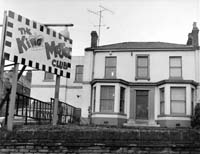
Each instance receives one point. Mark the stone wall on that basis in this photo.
(98, 140)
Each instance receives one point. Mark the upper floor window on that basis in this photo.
(48, 76)
(107, 99)
(175, 67)
(178, 100)
(79, 73)
(142, 67)
(110, 67)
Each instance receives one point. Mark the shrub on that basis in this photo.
(195, 120)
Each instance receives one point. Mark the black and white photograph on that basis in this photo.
(99, 77)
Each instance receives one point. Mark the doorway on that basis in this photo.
(142, 99)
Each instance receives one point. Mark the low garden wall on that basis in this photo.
(99, 140)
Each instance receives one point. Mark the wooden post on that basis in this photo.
(12, 98)
(56, 100)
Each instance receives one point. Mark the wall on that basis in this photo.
(71, 92)
(159, 65)
(98, 140)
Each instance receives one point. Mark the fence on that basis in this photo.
(33, 110)
(67, 113)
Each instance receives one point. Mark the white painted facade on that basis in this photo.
(159, 53)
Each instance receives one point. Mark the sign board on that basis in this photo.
(32, 44)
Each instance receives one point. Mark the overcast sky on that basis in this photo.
(132, 20)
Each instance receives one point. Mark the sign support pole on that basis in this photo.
(2, 54)
(12, 98)
(56, 100)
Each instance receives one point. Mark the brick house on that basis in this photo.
(134, 83)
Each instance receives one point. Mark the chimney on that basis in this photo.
(193, 38)
(94, 39)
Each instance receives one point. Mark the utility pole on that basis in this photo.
(99, 14)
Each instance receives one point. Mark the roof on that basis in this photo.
(142, 45)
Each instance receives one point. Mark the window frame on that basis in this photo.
(181, 67)
(101, 99)
(192, 100)
(107, 76)
(162, 101)
(48, 79)
(177, 101)
(122, 100)
(137, 77)
(76, 73)
(94, 99)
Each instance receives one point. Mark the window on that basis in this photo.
(175, 67)
(79, 73)
(122, 100)
(192, 101)
(142, 67)
(178, 100)
(48, 76)
(110, 67)
(107, 99)
(162, 101)
(94, 99)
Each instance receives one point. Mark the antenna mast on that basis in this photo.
(99, 13)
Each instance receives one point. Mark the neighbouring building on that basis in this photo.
(131, 83)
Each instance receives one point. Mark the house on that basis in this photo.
(132, 83)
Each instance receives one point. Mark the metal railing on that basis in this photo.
(67, 113)
(30, 108)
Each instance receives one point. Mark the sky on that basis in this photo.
(130, 20)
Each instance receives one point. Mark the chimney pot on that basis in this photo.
(94, 39)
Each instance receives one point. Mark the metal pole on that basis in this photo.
(56, 100)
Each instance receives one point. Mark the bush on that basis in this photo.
(195, 120)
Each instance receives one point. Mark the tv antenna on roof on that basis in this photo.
(99, 13)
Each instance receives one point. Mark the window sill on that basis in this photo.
(48, 80)
(78, 81)
(175, 78)
(112, 113)
(142, 78)
(173, 115)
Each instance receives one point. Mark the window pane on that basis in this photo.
(110, 72)
(79, 69)
(175, 61)
(162, 95)
(48, 76)
(107, 92)
(178, 107)
(79, 73)
(142, 72)
(107, 98)
(162, 108)
(107, 106)
(122, 99)
(111, 61)
(178, 94)
(142, 61)
(79, 77)
(175, 72)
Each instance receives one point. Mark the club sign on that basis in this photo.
(35, 45)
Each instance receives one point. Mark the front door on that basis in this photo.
(142, 104)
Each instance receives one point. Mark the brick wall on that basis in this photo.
(97, 140)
